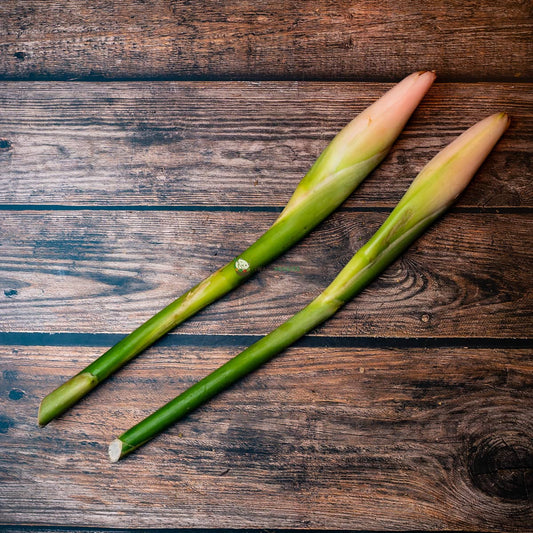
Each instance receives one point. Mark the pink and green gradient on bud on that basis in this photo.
(361, 145)
(448, 173)
(377, 127)
(352, 155)
(432, 192)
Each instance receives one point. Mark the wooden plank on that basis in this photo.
(227, 144)
(321, 39)
(351, 438)
(108, 271)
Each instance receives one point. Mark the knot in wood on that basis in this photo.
(5, 145)
(502, 466)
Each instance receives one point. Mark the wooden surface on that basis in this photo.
(374, 438)
(242, 39)
(466, 278)
(411, 409)
(234, 144)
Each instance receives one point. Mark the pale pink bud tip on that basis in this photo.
(375, 129)
(450, 171)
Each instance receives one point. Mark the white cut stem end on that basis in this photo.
(115, 450)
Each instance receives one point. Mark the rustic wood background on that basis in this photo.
(144, 144)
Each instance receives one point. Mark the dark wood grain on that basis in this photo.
(351, 438)
(411, 409)
(227, 144)
(320, 39)
(108, 271)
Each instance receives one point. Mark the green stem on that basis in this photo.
(284, 233)
(351, 280)
(424, 202)
(236, 368)
(349, 158)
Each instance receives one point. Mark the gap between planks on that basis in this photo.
(172, 340)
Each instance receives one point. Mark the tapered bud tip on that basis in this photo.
(411, 89)
(364, 142)
(427, 76)
(488, 130)
(505, 117)
(395, 107)
(449, 172)
(375, 129)
(430, 74)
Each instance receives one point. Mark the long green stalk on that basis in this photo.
(429, 196)
(343, 165)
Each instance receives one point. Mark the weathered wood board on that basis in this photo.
(235, 144)
(360, 438)
(109, 271)
(411, 409)
(238, 39)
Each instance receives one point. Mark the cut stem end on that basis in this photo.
(63, 397)
(115, 450)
